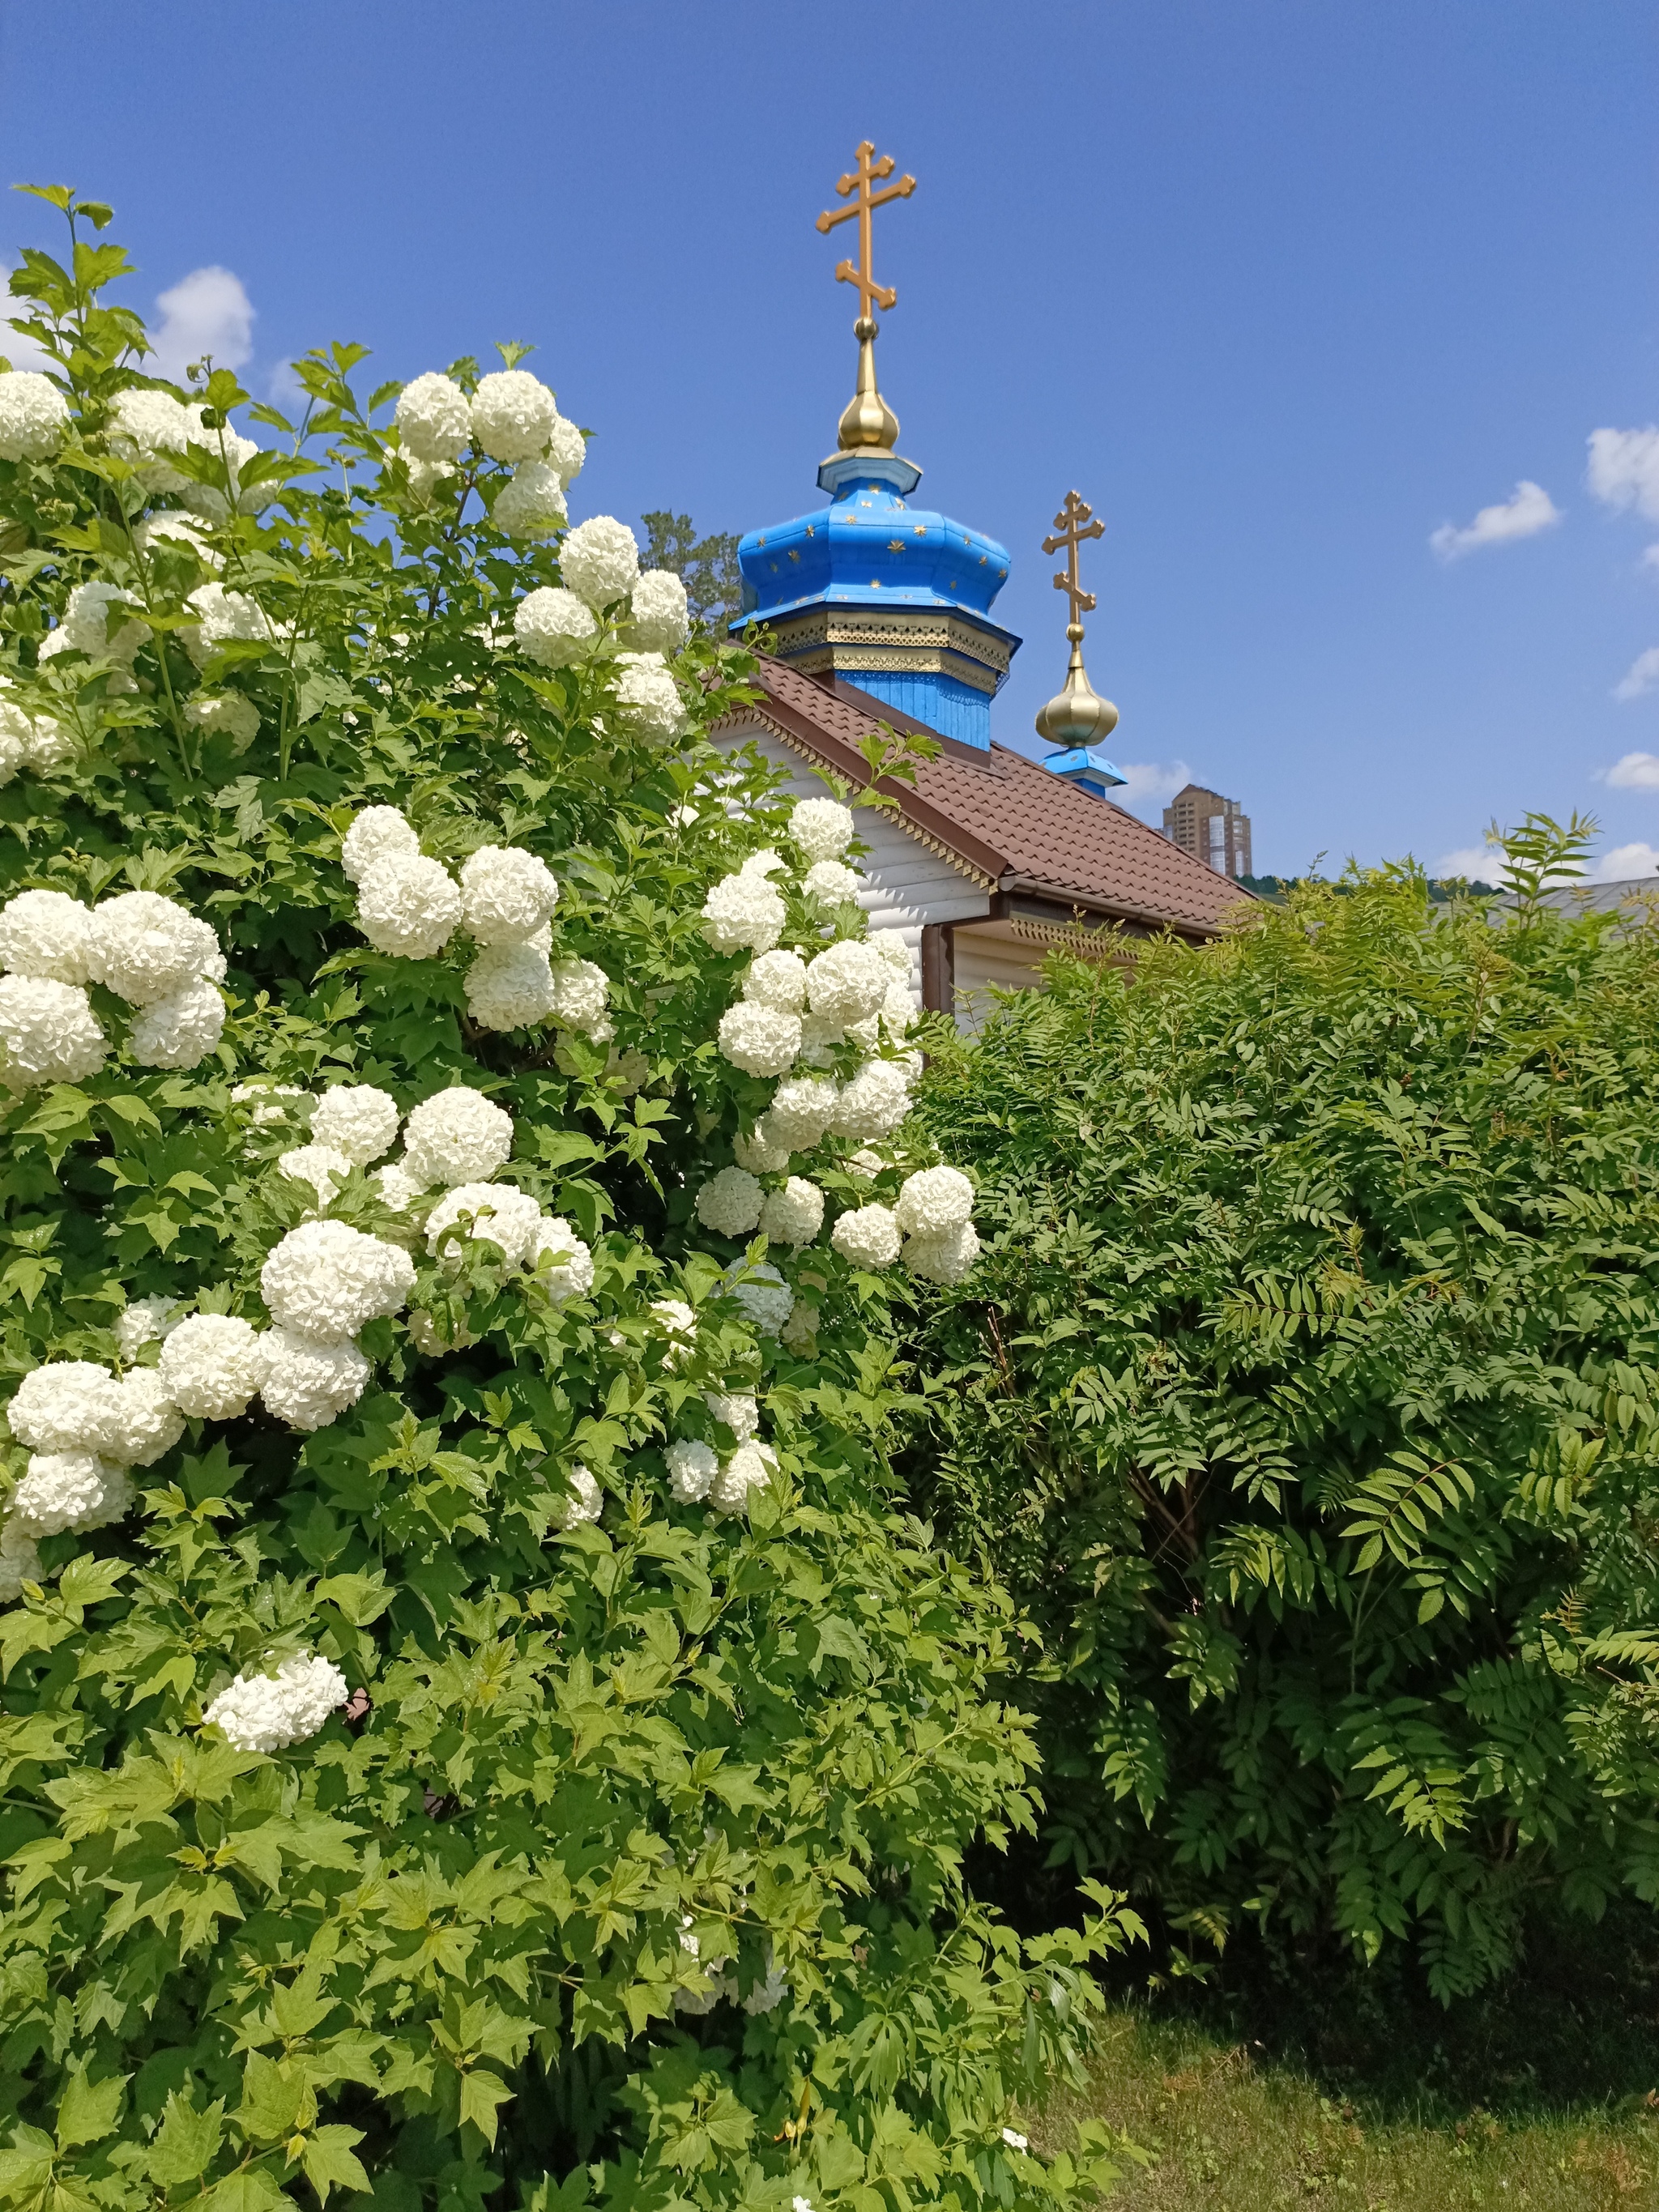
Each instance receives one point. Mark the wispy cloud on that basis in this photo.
(1624, 861)
(1623, 469)
(1641, 676)
(1527, 510)
(1149, 783)
(1635, 771)
(208, 311)
(1480, 864)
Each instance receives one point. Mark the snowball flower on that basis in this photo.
(1015, 2141)
(320, 1165)
(945, 1258)
(266, 1093)
(531, 503)
(832, 883)
(357, 1120)
(326, 1280)
(749, 1467)
(168, 527)
(677, 1321)
(865, 1164)
(777, 979)
(223, 618)
(511, 987)
(492, 1213)
(761, 1040)
(148, 1423)
(823, 828)
(739, 1411)
(868, 1236)
(759, 1154)
(14, 732)
(180, 1031)
(19, 1560)
(600, 561)
(648, 697)
(33, 415)
(267, 1712)
(434, 420)
(376, 834)
(763, 864)
(211, 1364)
(48, 934)
(743, 910)
(48, 1033)
(407, 906)
(898, 1009)
(801, 1110)
(456, 1136)
(894, 950)
(552, 625)
(34, 740)
(142, 1321)
(579, 996)
(569, 1271)
(932, 1200)
(66, 1405)
(310, 1381)
(229, 714)
(729, 1203)
(86, 624)
(764, 1296)
(846, 982)
(794, 1214)
(512, 414)
(692, 1467)
(567, 449)
(873, 1103)
(659, 621)
(70, 1490)
(506, 893)
(584, 1500)
(398, 1186)
(149, 947)
(143, 427)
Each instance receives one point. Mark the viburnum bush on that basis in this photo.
(1305, 1401)
(477, 1727)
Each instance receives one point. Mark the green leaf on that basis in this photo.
(187, 2142)
(483, 2095)
(330, 2161)
(89, 2111)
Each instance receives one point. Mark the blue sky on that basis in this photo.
(1284, 287)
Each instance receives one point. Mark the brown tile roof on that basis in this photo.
(1014, 827)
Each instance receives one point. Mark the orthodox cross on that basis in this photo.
(868, 172)
(1071, 525)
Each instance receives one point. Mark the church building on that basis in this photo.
(878, 612)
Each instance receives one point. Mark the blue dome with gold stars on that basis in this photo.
(895, 598)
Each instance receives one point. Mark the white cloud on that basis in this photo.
(1624, 861)
(207, 312)
(1149, 783)
(1523, 514)
(1480, 864)
(1623, 469)
(1635, 771)
(1641, 676)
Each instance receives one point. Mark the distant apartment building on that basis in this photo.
(1212, 829)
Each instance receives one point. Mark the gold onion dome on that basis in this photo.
(1078, 715)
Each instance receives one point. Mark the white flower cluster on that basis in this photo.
(513, 417)
(144, 948)
(409, 906)
(225, 618)
(511, 1220)
(83, 1427)
(33, 415)
(147, 427)
(89, 624)
(699, 1474)
(267, 1712)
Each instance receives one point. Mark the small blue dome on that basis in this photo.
(895, 597)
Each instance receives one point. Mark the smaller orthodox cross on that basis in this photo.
(868, 172)
(1071, 525)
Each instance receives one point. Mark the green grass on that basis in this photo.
(1273, 2092)
(1230, 2130)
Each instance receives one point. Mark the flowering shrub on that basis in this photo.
(474, 1714)
(1305, 1399)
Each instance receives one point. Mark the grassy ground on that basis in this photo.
(1544, 2092)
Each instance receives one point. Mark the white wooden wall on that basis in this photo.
(987, 958)
(907, 885)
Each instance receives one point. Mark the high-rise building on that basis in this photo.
(1212, 829)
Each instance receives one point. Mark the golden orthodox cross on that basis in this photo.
(868, 172)
(1071, 525)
